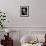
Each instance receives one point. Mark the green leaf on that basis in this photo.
(2, 26)
(3, 19)
(0, 12)
(4, 13)
(4, 16)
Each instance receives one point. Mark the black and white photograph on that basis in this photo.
(24, 11)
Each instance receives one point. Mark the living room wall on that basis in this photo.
(37, 13)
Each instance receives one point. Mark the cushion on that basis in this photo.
(26, 39)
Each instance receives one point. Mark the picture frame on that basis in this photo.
(24, 11)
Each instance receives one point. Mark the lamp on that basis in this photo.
(7, 31)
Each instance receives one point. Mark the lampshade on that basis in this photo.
(7, 30)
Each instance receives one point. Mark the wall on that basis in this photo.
(37, 13)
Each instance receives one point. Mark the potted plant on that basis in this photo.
(2, 19)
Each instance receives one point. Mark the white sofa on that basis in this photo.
(25, 39)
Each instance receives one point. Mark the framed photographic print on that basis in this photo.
(24, 11)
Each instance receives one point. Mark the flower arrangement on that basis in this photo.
(2, 19)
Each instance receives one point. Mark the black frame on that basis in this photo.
(24, 11)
